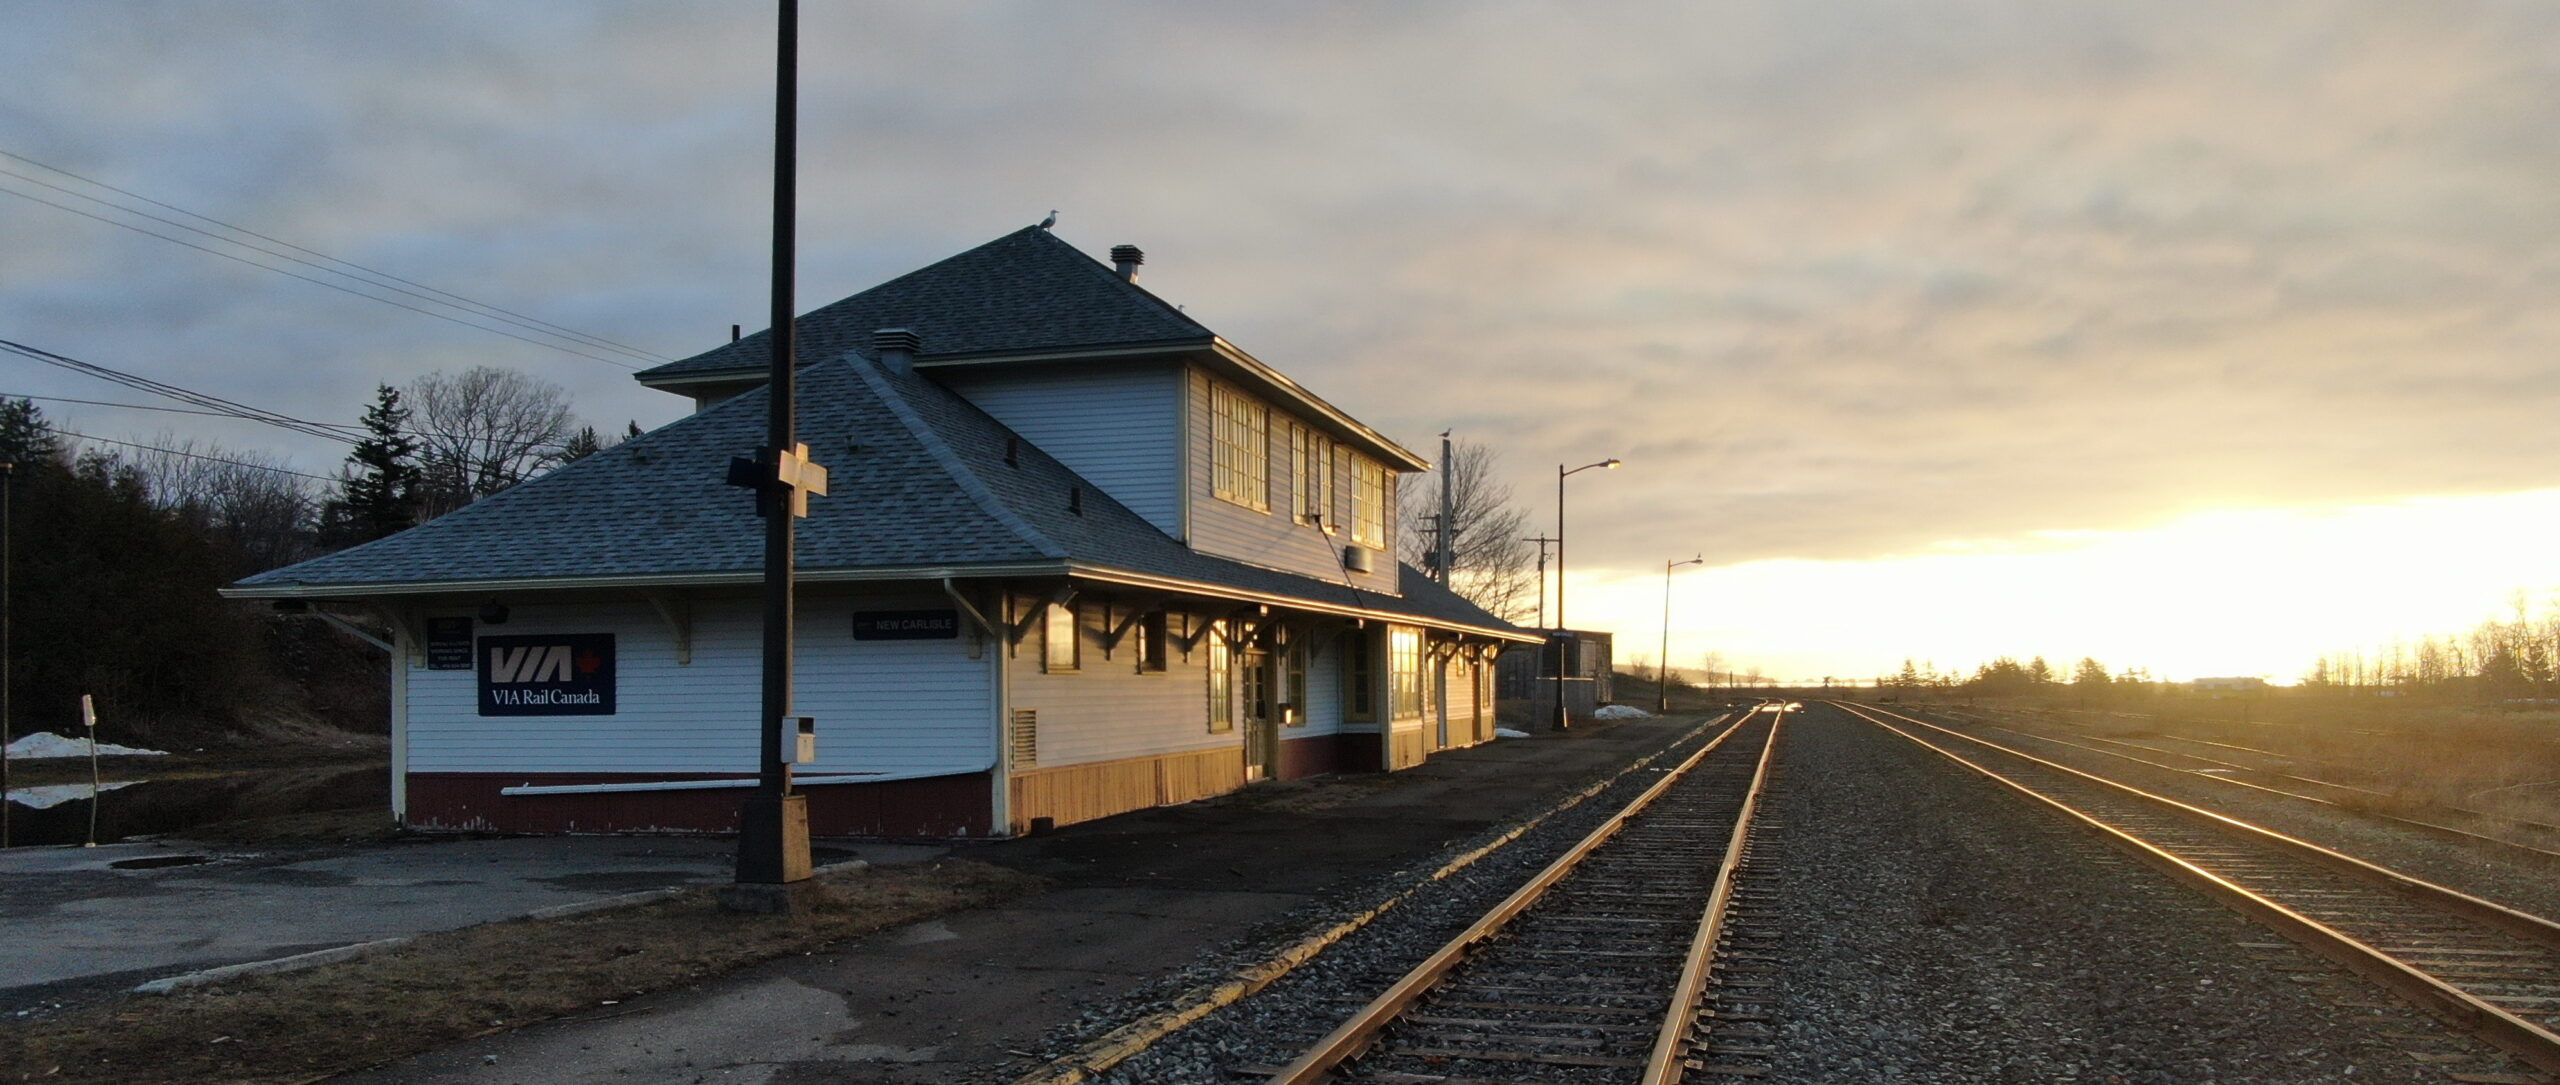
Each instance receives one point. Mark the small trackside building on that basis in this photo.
(1079, 555)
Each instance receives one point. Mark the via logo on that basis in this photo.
(560, 674)
(537, 663)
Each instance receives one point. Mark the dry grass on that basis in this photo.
(452, 986)
(2421, 757)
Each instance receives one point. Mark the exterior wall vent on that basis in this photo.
(1355, 557)
(1024, 738)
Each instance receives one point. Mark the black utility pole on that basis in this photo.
(773, 825)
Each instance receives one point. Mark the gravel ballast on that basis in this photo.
(1942, 930)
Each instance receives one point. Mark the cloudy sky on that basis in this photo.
(1950, 329)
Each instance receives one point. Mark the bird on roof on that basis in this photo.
(1052, 220)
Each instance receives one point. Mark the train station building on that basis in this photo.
(1079, 555)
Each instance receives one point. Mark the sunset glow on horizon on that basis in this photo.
(2260, 592)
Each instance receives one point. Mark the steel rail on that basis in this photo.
(2524, 1039)
(2517, 848)
(1363, 1029)
(1664, 1066)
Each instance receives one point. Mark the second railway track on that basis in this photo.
(2489, 968)
(1594, 970)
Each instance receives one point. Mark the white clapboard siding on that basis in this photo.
(882, 706)
(1118, 424)
(1106, 710)
(1274, 539)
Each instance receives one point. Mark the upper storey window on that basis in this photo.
(1240, 448)
(1368, 502)
(1311, 457)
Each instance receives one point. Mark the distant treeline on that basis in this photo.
(2004, 677)
(2514, 658)
(117, 551)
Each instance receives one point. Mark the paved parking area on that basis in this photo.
(81, 920)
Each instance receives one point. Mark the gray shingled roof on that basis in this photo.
(917, 479)
(1024, 291)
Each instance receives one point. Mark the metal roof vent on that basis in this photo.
(896, 348)
(1125, 260)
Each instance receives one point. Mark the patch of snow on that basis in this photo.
(53, 795)
(47, 744)
(1621, 712)
(1505, 732)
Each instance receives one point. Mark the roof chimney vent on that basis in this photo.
(1125, 260)
(896, 348)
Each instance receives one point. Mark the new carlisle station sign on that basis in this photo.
(552, 674)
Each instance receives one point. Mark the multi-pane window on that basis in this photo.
(1404, 672)
(1368, 502)
(1061, 649)
(1239, 448)
(1311, 458)
(1222, 702)
(1359, 677)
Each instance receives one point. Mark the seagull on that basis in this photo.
(1052, 220)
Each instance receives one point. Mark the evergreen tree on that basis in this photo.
(26, 439)
(378, 488)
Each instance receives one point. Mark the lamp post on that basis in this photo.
(1562, 474)
(8, 474)
(1662, 670)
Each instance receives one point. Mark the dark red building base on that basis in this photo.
(937, 807)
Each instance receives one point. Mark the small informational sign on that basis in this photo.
(906, 625)
(556, 674)
(449, 644)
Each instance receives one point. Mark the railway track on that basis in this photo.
(1595, 970)
(2480, 965)
(2493, 832)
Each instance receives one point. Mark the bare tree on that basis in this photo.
(243, 499)
(484, 430)
(1490, 564)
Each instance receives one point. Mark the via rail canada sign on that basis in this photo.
(560, 674)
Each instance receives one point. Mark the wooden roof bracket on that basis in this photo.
(976, 617)
(1065, 594)
(1114, 633)
(675, 609)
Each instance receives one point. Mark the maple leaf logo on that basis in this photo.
(588, 661)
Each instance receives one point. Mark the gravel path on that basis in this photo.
(1944, 931)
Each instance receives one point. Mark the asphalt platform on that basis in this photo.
(1132, 898)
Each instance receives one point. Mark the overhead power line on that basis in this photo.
(493, 310)
(139, 407)
(308, 279)
(502, 316)
(197, 456)
(183, 395)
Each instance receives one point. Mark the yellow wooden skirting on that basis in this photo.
(1067, 794)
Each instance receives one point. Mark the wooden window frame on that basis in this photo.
(1049, 629)
(1239, 449)
(1222, 682)
(1404, 673)
(1359, 678)
(1293, 683)
(1153, 643)
(1311, 460)
(1368, 502)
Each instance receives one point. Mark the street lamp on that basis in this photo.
(1561, 475)
(1662, 670)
